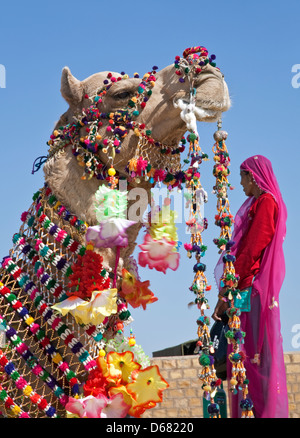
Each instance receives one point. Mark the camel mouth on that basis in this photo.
(207, 114)
(203, 111)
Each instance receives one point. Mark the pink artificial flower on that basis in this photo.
(76, 406)
(110, 233)
(158, 254)
(98, 407)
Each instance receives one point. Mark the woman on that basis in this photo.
(259, 232)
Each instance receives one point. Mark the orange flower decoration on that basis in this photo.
(135, 292)
(141, 388)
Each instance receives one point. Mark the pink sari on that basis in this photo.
(264, 365)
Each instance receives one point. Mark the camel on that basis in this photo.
(168, 102)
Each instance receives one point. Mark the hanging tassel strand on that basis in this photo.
(229, 279)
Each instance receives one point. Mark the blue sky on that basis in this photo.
(256, 45)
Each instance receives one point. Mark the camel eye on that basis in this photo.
(122, 95)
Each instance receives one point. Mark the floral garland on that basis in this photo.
(160, 247)
(229, 279)
(123, 373)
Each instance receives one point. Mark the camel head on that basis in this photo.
(113, 120)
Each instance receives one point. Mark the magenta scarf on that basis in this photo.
(269, 280)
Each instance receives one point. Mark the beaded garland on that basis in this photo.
(229, 279)
(52, 285)
(48, 314)
(196, 225)
(33, 363)
(45, 343)
(23, 385)
(9, 403)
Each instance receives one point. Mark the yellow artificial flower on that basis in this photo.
(102, 304)
(122, 362)
(135, 410)
(112, 374)
(123, 390)
(147, 386)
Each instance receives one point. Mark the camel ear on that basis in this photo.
(71, 88)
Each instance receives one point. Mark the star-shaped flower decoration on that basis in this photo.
(147, 386)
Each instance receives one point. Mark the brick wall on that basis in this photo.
(183, 398)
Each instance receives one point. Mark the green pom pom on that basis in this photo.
(204, 360)
(229, 334)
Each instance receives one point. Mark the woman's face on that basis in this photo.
(246, 182)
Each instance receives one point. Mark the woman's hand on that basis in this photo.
(221, 306)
